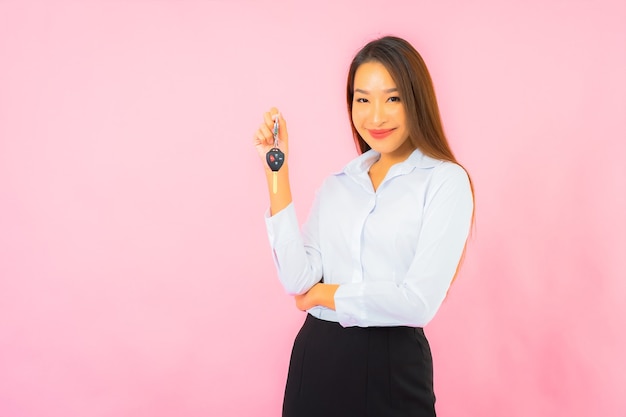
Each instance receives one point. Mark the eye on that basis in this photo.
(394, 99)
(361, 100)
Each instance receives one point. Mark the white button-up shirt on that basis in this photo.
(393, 251)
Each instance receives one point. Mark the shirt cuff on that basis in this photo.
(283, 226)
(349, 305)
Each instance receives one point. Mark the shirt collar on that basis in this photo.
(363, 162)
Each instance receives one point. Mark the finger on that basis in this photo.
(266, 133)
(282, 124)
(272, 115)
(268, 117)
(282, 127)
(259, 138)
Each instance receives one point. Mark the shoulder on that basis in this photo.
(449, 179)
(450, 171)
(439, 169)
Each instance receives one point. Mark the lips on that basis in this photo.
(380, 133)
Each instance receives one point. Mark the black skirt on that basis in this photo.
(359, 371)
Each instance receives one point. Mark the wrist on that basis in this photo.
(325, 295)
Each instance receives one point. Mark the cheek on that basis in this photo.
(397, 113)
(357, 117)
(400, 118)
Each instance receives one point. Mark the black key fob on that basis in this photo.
(275, 159)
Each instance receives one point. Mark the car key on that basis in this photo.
(275, 158)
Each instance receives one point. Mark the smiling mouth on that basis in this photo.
(380, 133)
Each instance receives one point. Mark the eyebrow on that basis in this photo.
(387, 91)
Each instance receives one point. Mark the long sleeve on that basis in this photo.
(296, 254)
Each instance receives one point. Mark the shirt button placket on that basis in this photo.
(357, 267)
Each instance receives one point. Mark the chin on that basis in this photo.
(382, 148)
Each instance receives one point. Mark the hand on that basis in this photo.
(319, 295)
(264, 137)
(304, 301)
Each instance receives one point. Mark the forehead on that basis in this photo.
(373, 74)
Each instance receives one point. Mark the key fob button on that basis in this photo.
(275, 159)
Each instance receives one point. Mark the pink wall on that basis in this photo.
(135, 274)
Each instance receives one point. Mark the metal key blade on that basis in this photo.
(275, 182)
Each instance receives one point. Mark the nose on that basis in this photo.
(377, 115)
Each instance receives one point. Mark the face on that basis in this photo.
(378, 113)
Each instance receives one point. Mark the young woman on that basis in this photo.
(374, 261)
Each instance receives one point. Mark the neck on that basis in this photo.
(389, 159)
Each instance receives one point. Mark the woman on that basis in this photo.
(379, 250)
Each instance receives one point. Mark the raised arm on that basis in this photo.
(263, 142)
(297, 259)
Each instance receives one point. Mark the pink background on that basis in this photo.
(135, 274)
